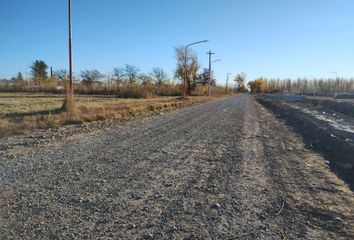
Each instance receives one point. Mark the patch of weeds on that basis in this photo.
(100, 117)
(72, 121)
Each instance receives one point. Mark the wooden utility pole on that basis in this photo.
(70, 87)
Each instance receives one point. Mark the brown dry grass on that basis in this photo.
(20, 113)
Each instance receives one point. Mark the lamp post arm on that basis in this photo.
(195, 43)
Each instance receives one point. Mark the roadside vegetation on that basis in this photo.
(303, 86)
(126, 81)
(38, 101)
(23, 112)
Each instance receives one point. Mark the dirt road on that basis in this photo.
(221, 170)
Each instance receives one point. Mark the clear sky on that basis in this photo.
(269, 38)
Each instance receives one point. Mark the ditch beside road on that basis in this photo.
(325, 125)
(226, 169)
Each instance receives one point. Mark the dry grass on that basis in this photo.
(23, 112)
(28, 102)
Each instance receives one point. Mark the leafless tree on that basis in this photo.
(159, 76)
(193, 71)
(118, 74)
(89, 77)
(187, 68)
(62, 75)
(146, 80)
(131, 72)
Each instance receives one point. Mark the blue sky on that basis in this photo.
(273, 38)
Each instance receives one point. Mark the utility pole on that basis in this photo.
(209, 82)
(227, 83)
(70, 88)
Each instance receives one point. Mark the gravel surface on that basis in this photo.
(226, 169)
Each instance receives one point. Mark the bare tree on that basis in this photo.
(193, 71)
(187, 68)
(159, 76)
(90, 77)
(62, 75)
(146, 80)
(131, 72)
(118, 74)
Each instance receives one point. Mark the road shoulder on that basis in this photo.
(313, 194)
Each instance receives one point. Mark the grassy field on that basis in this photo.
(21, 112)
(26, 103)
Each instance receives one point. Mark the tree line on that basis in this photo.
(122, 79)
(303, 86)
(129, 75)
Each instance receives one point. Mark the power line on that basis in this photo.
(97, 16)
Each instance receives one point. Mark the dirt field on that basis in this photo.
(326, 125)
(226, 169)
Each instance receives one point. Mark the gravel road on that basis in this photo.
(225, 169)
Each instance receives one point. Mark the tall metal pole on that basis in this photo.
(70, 89)
(209, 77)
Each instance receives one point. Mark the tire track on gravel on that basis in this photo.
(133, 135)
(258, 198)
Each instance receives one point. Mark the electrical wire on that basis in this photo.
(97, 16)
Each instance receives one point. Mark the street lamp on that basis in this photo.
(185, 65)
(203, 41)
